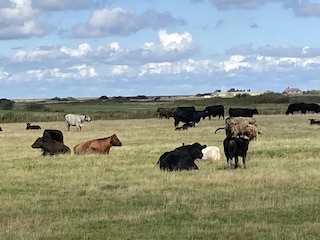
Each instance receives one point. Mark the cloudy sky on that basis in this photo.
(90, 48)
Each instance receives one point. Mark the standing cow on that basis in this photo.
(235, 147)
(76, 120)
(98, 146)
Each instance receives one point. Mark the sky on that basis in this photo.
(93, 48)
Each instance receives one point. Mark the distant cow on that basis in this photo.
(242, 112)
(99, 146)
(76, 120)
(187, 115)
(235, 147)
(211, 153)
(313, 107)
(53, 134)
(213, 111)
(314, 121)
(165, 112)
(181, 158)
(296, 107)
(50, 147)
(32, 127)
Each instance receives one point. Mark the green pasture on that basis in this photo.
(124, 195)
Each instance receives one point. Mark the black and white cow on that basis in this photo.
(181, 158)
(76, 120)
(235, 147)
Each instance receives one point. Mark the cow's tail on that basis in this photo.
(220, 128)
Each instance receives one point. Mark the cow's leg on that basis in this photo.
(236, 160)
(244, 161)
(228, 162)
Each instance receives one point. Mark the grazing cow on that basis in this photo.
(165, 112)
(50, 147)
(242, 112)
(240, 126)
(53, 134)
(213, 111)
(99, 146)
(32, 127)
(76, 120)
(314, 121)
(187, 115)
(181, 158)
(235, 147)
(296, 107)
(211, 153)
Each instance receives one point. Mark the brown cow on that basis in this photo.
(99, 146)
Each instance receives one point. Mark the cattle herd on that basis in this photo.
(240, 128)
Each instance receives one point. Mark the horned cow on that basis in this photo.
(98, 146)
(240, 126)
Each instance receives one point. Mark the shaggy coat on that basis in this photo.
(240, 126)
(211, 153)
(98, 146)
(50, 147)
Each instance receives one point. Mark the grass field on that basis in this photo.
(124, 195)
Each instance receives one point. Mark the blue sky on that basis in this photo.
(90, 48)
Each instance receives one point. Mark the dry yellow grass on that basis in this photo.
(124, 195)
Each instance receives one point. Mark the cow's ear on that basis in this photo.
(204, 146)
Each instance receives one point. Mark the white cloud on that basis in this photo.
(175, 41)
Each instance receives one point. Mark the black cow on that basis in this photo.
(50, 147)
(314, 121)
(313, 107)
(53, 134)
(296, 107)
(242, 112)
(185, 115)
(213, 111)
(181, 158)
(235, 147)
(0, 129)
(32, 127)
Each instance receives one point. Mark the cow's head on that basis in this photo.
(38, 143)
(115, 141)
(87, 118)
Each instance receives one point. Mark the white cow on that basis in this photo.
(76, 120)
(211, 153)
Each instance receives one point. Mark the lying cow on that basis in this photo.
(99, 146)
(76, 120)
(53, 134)
(32, 127)
(211, 153)
(313, 121)
(50, 147)
(235, 147)
(181, 158)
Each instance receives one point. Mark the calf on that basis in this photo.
(53, 134)
(235, 147)
(313, 121)
(211, 153)
(99, 146)
(181, 158)
(32, 127)
(185, 126)
(50, 147)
